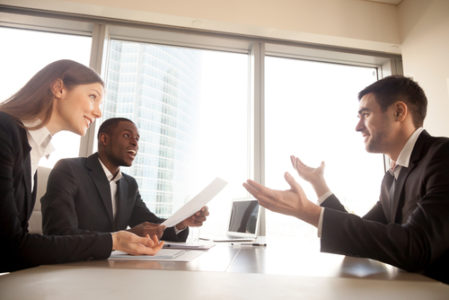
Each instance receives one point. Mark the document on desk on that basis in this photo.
(196, 203)
(162, 255)
(203, 245)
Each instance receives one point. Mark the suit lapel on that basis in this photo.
(398, 192)
(27, 179)
(416, 155)
(98, 177)
(29, 195)
(33, 196)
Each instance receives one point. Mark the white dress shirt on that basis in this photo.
(402, 161)
(404, 156)
(113, 185)
(40, 143)
(113, 179)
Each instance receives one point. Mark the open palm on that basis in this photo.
(291, 202)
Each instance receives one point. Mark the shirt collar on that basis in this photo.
(404, 157)
(108, 173)
(41, 138)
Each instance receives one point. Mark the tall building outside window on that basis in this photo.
(212, 105)
(190, 107)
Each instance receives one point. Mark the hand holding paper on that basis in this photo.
(195, 220)
(196, 203)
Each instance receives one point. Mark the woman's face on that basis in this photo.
(76, 108)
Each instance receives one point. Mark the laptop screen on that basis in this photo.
(244, 218)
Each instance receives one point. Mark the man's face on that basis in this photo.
(377, 127)
(122, 145)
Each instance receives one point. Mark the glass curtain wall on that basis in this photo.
(311, 112)
(196, 111)
(191, 109)
(23, 53)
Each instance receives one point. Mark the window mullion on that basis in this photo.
(258, 119)
(99, 42)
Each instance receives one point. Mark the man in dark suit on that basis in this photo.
(409, 225)
(92, 195)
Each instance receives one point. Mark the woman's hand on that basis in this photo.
(135, 245)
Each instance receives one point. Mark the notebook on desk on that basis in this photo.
(243, 222)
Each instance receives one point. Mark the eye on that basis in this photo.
(92, 97)
(126, 135)
(363, 115)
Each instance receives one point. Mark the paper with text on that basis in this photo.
(196, 203)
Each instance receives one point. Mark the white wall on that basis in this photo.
(424, 27)
(347, 23)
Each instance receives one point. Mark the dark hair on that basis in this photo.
(36, 95)
(399, 88)
(109, 125)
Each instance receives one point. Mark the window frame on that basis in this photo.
(102, 30)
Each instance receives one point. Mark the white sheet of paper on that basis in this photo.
(196, 203)
(200, 245)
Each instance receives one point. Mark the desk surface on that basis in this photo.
(278, 271)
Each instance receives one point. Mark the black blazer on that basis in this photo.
(413, 234)
(19, 249)
(78, 200)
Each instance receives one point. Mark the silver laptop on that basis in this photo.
(243, 222)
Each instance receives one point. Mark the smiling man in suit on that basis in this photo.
(92, 195)
(409, 225)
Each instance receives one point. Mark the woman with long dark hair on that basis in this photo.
(64, 95)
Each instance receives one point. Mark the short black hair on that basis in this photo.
(397, 87)
(109, 125)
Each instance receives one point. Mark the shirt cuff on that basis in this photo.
(177, 231)
(320, 222)
(323, 197)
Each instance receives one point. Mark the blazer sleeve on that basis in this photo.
(375, 214)
(419, 242)
(59, 215)
(19, 248)
(141, 214)
(333, 202)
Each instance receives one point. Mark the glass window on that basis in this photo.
(23, 53)
(191, 109)
(196, 113)
(311, 112)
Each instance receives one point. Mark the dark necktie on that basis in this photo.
(391, 184)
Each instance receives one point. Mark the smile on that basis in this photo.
(89, 121)
(365, 137)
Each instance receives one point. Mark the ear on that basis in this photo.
(400, 111)
(57, 88)
(103, 139)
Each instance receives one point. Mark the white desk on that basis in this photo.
(225, 272)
